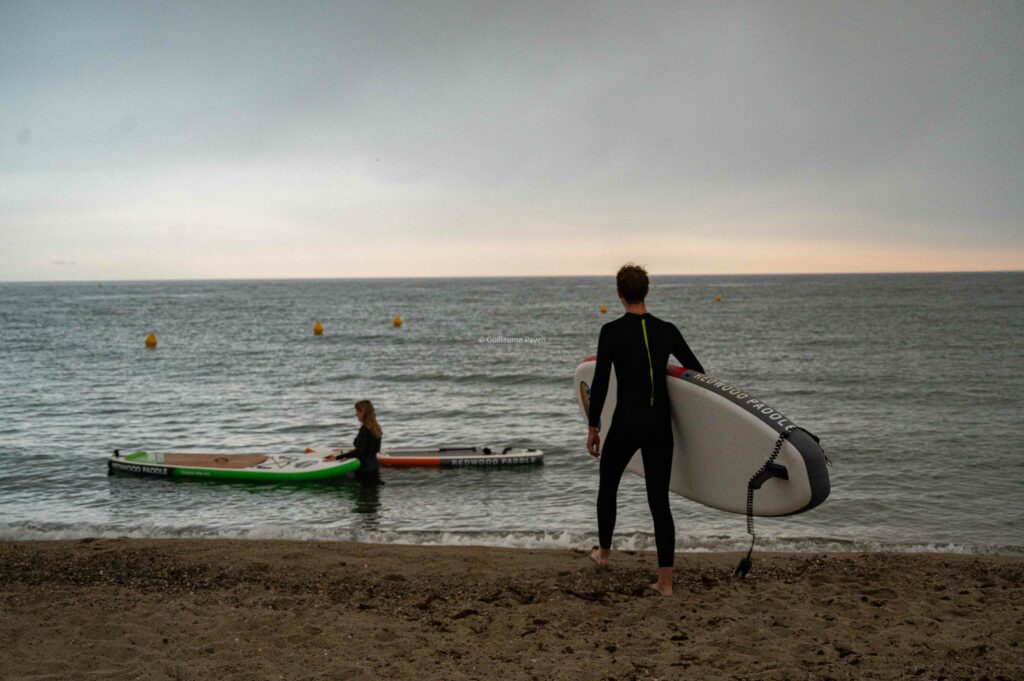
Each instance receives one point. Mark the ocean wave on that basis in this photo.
(538, 539)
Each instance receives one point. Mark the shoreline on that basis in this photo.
(253, 609)
(685, 545)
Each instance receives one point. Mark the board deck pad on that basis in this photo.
(227, 461)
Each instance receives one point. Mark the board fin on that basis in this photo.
(772, 470)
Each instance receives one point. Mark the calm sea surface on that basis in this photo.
(915, 384)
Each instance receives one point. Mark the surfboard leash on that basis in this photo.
(768, 470)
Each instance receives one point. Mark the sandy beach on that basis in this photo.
(221, 609)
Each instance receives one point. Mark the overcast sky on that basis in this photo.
(301, 139)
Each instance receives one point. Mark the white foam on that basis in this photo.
(566, 539)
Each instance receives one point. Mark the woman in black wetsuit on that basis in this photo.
(367, 443)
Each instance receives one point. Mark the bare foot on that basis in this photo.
(660, 589)
(664, 584)
(599, 556)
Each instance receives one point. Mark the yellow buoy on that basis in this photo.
(397, 321)
(604, 309)
(318, 328)
(151, 340)
(718, 299)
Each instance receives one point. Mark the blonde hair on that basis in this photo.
(370, 417)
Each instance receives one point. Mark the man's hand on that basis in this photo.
(593, 442)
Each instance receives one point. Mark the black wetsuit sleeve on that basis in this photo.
(602, 374)
(683, 352)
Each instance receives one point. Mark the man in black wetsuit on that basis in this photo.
(638, 345)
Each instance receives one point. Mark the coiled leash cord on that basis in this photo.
(755, 483)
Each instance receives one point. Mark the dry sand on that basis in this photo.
(216, 609)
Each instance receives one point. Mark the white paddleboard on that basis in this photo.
(723, 437)
(459, 457)
(452, 457)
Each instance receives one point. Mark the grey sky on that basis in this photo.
(165, 140)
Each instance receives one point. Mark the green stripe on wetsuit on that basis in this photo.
(650, 365)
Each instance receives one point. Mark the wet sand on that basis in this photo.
(221, 609)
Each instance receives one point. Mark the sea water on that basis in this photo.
(913, 383)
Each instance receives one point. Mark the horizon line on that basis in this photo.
(508, 276)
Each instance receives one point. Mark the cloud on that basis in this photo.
(891, 125)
